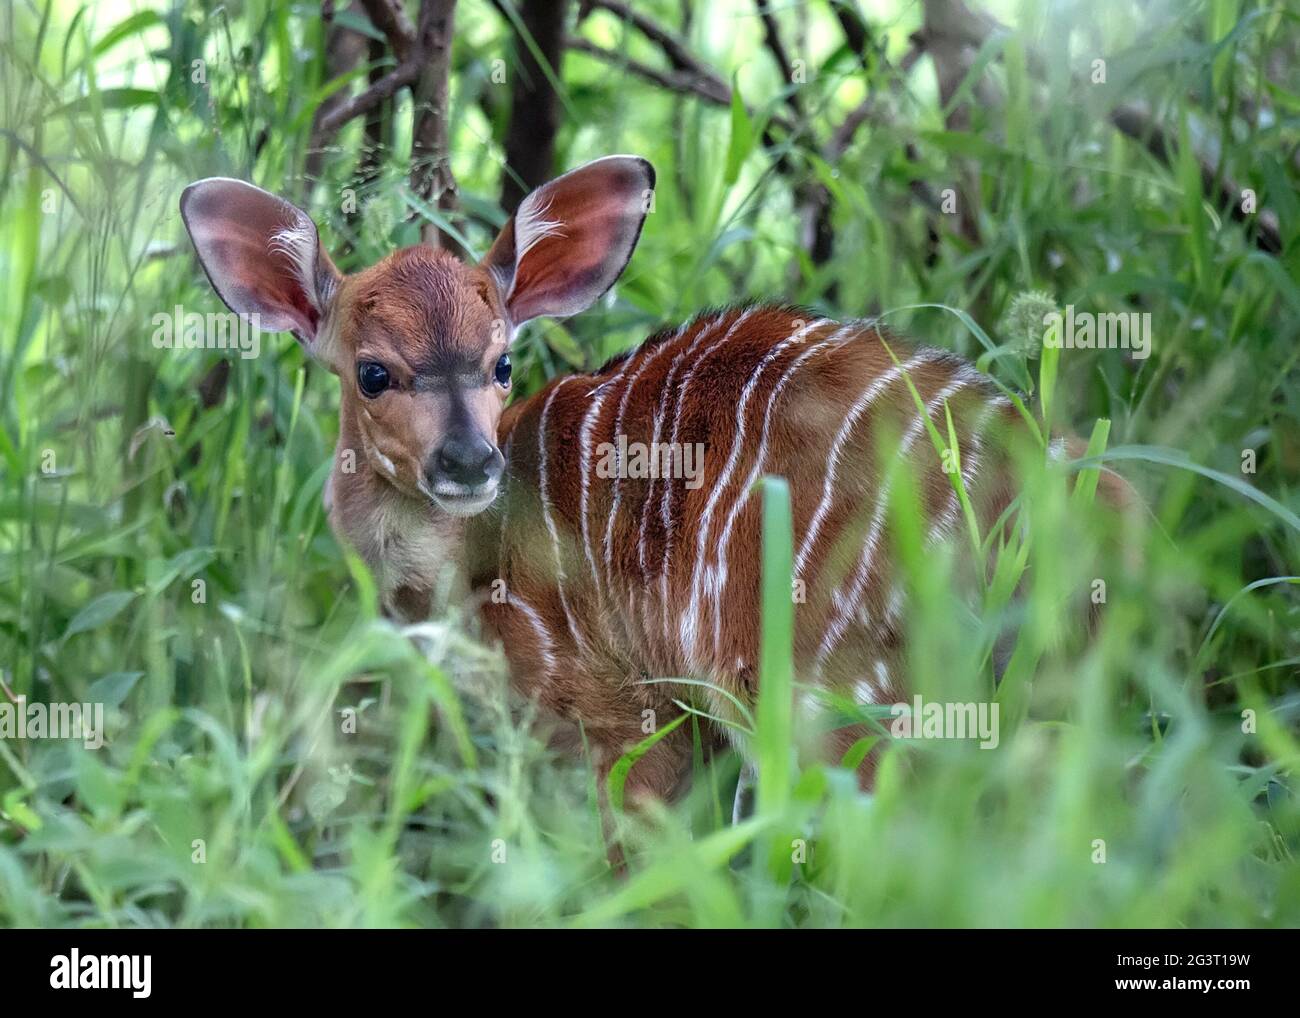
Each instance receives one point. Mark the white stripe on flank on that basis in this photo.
(737, 444)
(658, 430)
(546, 645)
(665, 506)
(666, 503)
(584, 452)
(546, 508)
(618, 429)
(720, 486)
(864, 402)
(659, 416)
(668, 393)
(837, 337)
(873, 690)
(658, 420)
(945, 523)
(842, 606)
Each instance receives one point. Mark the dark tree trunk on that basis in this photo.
(343, 50)
(534, 106)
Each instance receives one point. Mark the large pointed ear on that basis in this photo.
(262, 255)
(570, 239)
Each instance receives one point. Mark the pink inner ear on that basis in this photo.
(546, 286)
(278, 301)
(573, 237)
(287, 307)
(257, 250)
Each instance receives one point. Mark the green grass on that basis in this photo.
(328, 770)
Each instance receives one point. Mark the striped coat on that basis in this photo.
(595, 582)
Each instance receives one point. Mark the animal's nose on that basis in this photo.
(467, 458)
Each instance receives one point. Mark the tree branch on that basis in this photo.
(772, 40)
(955, 20)
(343, 51)
(682, 80)
(389, 16)
(674, 48)
(946, 30)
(1137, 122)
(431, 178)
(363, 102)
(856, 31)
(423, 55)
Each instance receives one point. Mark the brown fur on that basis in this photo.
(430, 320)
(624, 629)
(610, 581)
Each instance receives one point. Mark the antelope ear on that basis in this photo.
(571, 238)
(263, 257)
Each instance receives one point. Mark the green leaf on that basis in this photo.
(561, 340)
(667, 877)
(98, 786)
(99, 611)
(1178, 458)
(1085, 487)
(774, 712)
(111, 99)
(855, 754)
(19, 812)
(185, 563)
(741, 142)
(112, 689)
(1048, 366)
(138, 22)
(1189, 179)
(623, 766)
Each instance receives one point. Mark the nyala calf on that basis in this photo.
(591, 574)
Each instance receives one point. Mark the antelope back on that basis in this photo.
(629, 535)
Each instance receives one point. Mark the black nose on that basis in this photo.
(467, 458)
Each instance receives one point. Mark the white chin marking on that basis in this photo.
(464, 505)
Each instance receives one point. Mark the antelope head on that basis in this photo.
(421, 340)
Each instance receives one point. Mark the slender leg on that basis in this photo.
(608, 827)
(743, 806)
(653, 778)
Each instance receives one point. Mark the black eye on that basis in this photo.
(502, 371)
(372, 377)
